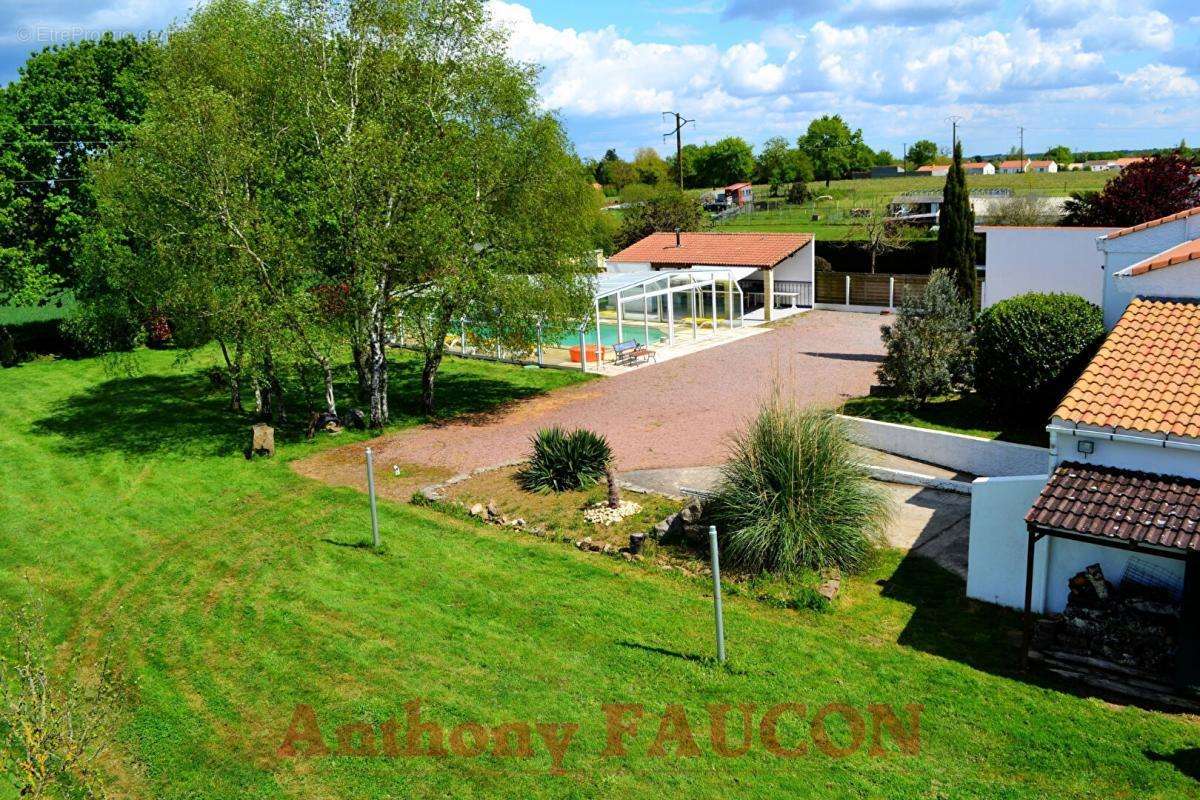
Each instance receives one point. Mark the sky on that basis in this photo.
(1091, 74)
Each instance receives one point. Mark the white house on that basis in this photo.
(1041, 166)
(1133, 258)
(1013, 167)
(979, 168)
(935, 170)
(1021, 259)
(1123, 483)
(1101, 165)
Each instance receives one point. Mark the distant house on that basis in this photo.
(1013, 167)
(1101, 165)
(1075, 166)
(739, 194)
(935, 170)
(888, 171)
(1042, 166)
(1122, 163)
(979, 168)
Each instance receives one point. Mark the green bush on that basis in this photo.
(930, 344)
(1031, 348)
(562, 461)
(793, 495)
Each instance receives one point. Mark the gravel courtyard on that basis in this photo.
(677, 414)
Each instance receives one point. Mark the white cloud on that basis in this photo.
(1114, 24)
(1159, 82)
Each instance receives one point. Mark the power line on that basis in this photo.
(678, 136)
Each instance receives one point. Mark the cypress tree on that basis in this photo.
(956, 229)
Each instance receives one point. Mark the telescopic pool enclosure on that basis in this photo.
(645, 308)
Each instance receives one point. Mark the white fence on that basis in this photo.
(970, 454)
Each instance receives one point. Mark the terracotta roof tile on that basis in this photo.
(1180, 254)
(760, 250)
(1154, 223)
(1146, 375)
(1125, 505)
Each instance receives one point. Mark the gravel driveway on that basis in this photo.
(676, 414)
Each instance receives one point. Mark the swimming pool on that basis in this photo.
(608, 335)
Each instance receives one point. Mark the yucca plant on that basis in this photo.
(562, 460)
(793, 495)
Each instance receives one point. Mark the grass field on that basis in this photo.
(231, 591)
(877, 193)
(957, 414)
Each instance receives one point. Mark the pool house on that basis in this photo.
(667, 295)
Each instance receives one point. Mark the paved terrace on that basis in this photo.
(676, 414)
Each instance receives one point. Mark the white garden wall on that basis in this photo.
(998, 541)
(970, 454)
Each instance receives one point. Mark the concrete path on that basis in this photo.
(675, 414)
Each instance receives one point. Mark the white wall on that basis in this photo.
(998, 542)
(800, 266)
(1182, 280)
(1021, 260)
(1124, 454)
(1127, 250)
(970, 454)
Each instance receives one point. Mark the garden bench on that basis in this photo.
(628, 353)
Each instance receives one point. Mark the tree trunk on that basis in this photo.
(330, 399)
(434, 351)
(614, 491)
(262, 408)
(233, 370)
(361, 370)
(278, 409)
(377, 378)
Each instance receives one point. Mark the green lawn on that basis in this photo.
(967, 415)
(232, 591)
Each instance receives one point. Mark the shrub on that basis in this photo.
(1031, 348)
(562, 461)
(929, 345)
(799, 193)
(793, 495)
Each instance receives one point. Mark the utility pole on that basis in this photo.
(954, 120)
(904, 155)
(678, 133)
(1022, 150)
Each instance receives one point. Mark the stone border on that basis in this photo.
(435, 492)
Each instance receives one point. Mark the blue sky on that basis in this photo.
(1088, 73)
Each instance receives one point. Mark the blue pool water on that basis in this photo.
(608, 335)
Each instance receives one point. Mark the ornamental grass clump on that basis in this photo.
(565, 460)
(793, 495)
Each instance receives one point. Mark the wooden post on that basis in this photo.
(1027, 637)
(768, 295)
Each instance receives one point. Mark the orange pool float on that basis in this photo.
(591, 354)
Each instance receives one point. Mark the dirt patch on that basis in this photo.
(347, 466)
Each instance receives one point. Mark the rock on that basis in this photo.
(354, 418)
(636, 540)
(491, 510)
(829, 589)
(660, 529)
(262, 440)
(478, 510)
(692, 513)
(517, 523)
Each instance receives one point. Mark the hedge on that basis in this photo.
(1031, 348)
